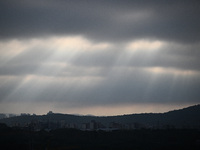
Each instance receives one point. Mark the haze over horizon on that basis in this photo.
(99, 57)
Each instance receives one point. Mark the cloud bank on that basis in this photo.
(102, 20)
(85, 54)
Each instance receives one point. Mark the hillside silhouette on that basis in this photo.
(178, 129)
(184, 118)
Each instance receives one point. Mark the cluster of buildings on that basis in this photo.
(50, 122)
(36, 125)
(2, 116)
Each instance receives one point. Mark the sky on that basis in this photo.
(99, 57)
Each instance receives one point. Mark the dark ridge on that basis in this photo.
(184, 118)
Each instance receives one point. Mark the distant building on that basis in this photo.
(50, 112)
(11, 115)
(25, 114)
(72, 125)
(115, 126)
(93, 125)
(2, 116)
(62, 124)
(85, 126)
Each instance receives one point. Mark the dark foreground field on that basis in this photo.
(69, 139)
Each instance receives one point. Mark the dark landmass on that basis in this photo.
(73, 139)
(179, 119)
(178, 129)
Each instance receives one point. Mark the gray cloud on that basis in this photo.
(43, 61)
(102, 20)
(133, 86)
(79, 53)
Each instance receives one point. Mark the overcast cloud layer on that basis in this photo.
(83, 54)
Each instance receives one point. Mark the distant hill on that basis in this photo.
(184, 118)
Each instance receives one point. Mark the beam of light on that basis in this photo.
(139, 53)
(20, 87)
(61, 50)
(10, 50)
(175, 77)
(57, 70)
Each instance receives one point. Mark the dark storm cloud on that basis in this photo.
(104, 20)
